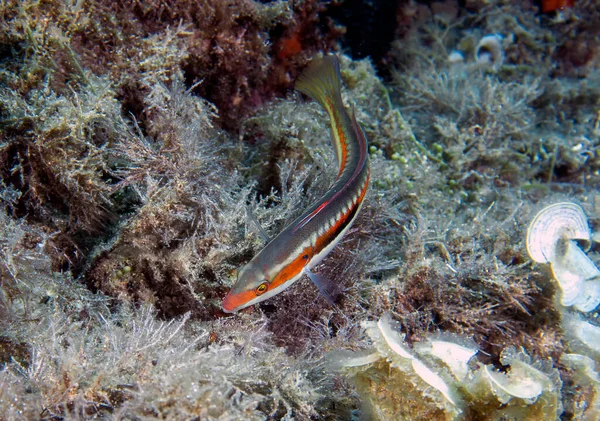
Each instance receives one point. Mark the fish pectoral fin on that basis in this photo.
(254, 221)
(326, 287)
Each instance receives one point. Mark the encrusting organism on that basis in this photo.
(307, 240)
(552, 239)
(443, 372)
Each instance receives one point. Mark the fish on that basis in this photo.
(304, 243)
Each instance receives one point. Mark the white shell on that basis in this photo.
(523, 380)
(434, 380)
(577, 277)
(590, 297)
(555, 222)
(394, 339)
(519, 386)
(584, 331)
(455, 355)
(456, 57)
(583, 363)
(489, 51)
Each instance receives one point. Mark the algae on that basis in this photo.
(134, 137)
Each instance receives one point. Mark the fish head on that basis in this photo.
(267, 274)
(251, 287)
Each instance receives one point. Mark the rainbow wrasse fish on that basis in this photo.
(307, 240)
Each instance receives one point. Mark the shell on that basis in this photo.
(583, 363)
(396, 343)
(455, 352)
(434, 380)
(590, 298)
(559, 221)
(507, 385)
(551, 239)
(524, 379)
(391, 336)
(456, 57)
(583, 331)
(489, 51)
(440, 371)
(576, 275)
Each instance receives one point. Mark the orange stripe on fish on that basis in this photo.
(307, 240)
(344, 151)
(293, 269)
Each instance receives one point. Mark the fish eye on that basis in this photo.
(261, 289)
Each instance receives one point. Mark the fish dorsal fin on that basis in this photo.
(311, 215)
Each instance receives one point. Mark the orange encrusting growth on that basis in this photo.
(290, 45)
(552, 5)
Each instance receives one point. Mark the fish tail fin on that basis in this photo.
(321, 81)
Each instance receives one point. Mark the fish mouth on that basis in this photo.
(233, 302)
(228, 304)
